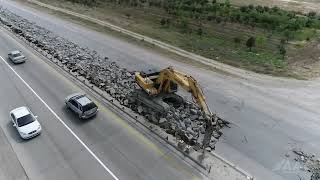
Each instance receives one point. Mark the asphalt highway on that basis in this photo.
(104, 147)
(269, 116)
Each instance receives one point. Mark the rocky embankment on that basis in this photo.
(185, 121)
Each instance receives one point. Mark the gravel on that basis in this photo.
(309, 162)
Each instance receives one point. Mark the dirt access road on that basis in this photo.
(269, 115)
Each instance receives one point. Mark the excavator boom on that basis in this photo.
(158, 91)
(166, 81)
(187, 82)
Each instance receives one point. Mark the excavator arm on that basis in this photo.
(166, 81)
(188, 83)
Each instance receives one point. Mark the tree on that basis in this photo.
(85, 2)
(227, 3)
(251, 42)
(259, 9)
(266, 8)
(210, 17)
(184, 25)
(218, 19)
(163, 21)
(312, 14)
(275, 9)
(309, 23)
(282, 50)
(294, 25)
(244, 9)
(200, 31)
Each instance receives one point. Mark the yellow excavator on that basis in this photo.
(158, 92)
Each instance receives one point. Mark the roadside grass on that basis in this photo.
(305, 34)
(216, 42)
(221, 49)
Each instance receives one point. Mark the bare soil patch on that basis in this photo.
(296, 5)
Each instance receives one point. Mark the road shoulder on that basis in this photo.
(10, 168)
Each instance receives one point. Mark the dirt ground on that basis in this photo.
(306, 60)
(303, 59)
(296, 5)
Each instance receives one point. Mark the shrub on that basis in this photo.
(312, 14)
(251, 42)
(282, 50)
(163, 21)
(200, 31)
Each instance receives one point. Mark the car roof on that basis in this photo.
(20, 112)
(83, 100)
(15, 52)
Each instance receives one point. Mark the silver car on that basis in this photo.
(17, 57)
(82, 105)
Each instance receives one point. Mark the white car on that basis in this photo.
(25, 122)
(17, 57)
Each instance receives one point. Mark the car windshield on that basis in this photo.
(89, 106)
(16, 55)
(24, 120)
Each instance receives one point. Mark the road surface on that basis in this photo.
(269, 116)
(105, 147)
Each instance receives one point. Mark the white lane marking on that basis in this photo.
(66, 126)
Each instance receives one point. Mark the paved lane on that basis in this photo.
(56, 154)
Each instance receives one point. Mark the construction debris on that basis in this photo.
(185, 122)
(309, 162)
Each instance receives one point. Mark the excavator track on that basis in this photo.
(159, 104)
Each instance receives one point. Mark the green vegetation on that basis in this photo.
(286, 22)
(251, 37)
(251, 43)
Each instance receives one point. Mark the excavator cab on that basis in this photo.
(148, 95)
(147, 79)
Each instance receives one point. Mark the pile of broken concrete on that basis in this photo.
(309, 162)
(185, 121)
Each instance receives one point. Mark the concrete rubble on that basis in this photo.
(309, 162)
(185, 122)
